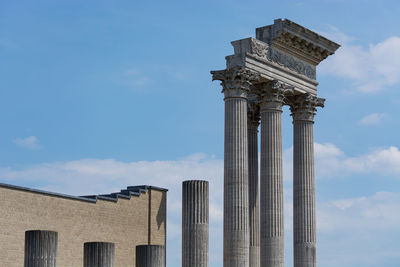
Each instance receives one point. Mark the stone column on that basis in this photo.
(150, 256)
(303, 109)
(41, 248)
(235, 83)
(253, 119)
(272, 96)
(195, 224)
(98, 254)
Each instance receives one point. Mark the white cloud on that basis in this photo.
(371, 69)
(332, 162)
(31, 142)
(367, 227)
(373, 119)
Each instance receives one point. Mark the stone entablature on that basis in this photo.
(284, 51)
(296, 40)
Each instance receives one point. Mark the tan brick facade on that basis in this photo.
(127, 223)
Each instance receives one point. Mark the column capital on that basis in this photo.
(272, 94)
(235, 82)
(253, 113)
(304, 107)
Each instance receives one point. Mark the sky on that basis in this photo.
(99, 95)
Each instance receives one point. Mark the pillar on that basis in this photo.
(303, 109)
(235, 83)
(98, 254)
(272, 96)
(253, 118)
(41, 248)
(150, 256)
(195, 225)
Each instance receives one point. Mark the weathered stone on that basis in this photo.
(150, 256)
(303, 109)
(282, 59)
(236, 83)
(272, 96)
(41, 248)
(253, 119)
(195, 224)
(98, 254)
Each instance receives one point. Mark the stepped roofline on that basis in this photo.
(124, 193)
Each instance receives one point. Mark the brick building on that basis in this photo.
(134, 216)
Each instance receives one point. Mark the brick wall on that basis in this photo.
(127, 223)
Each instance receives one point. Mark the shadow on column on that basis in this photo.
(150, 256)
(98, 254)
(40, 248)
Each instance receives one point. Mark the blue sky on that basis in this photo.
(98, 95)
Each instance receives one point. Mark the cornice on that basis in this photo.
(297, 40)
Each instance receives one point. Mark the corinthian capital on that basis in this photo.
(272, 94)
(235, 82)
(304, 107)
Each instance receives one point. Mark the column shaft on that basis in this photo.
(195, 224)
(236, 219)
(272, 231)
(304, 221)
(150, 256)
(303, 109)
(98, 254)
(254, 209)
(41, 248)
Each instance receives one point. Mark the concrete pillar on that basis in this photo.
(98, 254)
(41, 248)
(272, 95)
(150, 256)
(235, 83)
(253, 118)
(195, 225)
(303, 109)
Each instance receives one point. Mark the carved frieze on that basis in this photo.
(259, 48)
(292, 63)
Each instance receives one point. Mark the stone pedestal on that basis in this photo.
(195, 224)
(235, 83)
(150, 256)
(253, 119)
(41, 248)
(98, 254)
(272, 97)
(303, 109)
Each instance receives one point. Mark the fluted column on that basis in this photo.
(41, 248)
(235, 83)
(303, 109)
(98, 254)
(253, 118)
(272, 97)
(150, 256)
(195, 225)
